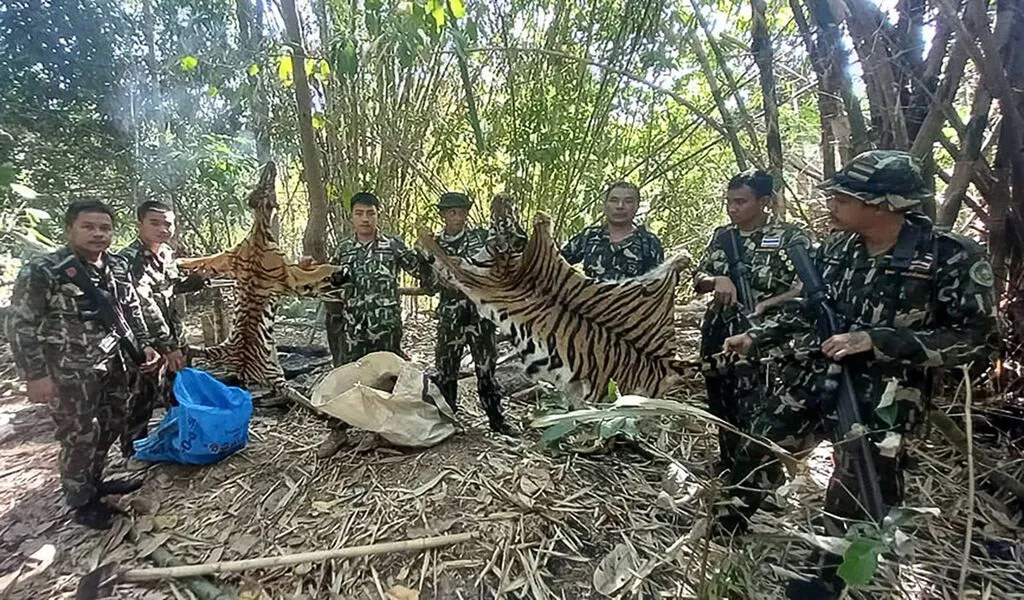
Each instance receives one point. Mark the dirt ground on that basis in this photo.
(533, 510)
(629, 520)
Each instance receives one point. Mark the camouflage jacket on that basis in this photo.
(935, 308)
(769, 269)
(371, 293)
(50, 323)
(640, 252)
(453, 305)
(157, 280)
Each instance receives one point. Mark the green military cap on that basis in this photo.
(876, 177)
(454, 200)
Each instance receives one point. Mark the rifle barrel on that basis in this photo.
(848, 406)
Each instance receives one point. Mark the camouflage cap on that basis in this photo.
(454, 200)
(875, 177)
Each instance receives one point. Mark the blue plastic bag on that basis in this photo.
(209, 423)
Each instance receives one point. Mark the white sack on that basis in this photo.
(402, 417)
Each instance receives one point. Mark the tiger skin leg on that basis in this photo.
(218, 264)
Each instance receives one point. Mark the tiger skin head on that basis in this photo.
(263, 198)
(569, 330)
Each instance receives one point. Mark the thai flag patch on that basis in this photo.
(771, 242)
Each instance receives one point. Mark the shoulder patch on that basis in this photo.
(981, 274)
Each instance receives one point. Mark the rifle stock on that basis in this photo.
(106, 312)
(828, 324)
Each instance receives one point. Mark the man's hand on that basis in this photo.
(738, 344)
(40, 391)
(174, 360)
(725, 291)
(760, 307)
(152, 360)
(845, 344)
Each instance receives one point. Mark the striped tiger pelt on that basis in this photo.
(570, 330)
(261, 274)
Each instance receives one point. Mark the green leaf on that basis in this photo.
(7, 173)
(557, 431)
(325, 68)
(254, 69)
(613, 390)
(284, 69)
(888, 414)
(189, 62)
(458, 9)
(318, 122)
(860, 562)
(436, 10)
(24, 191)
(309, 65)
(212, 91)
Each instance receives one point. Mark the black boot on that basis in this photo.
(118, 487)
(504, 428)
(815, 589)
(95, 515)
(450, 392)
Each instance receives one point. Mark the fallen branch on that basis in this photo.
(287, 560)
(969, 426)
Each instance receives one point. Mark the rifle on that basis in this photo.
(105, 311)
(828, 324)
(739, 273)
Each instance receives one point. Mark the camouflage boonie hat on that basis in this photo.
(875, 177)
(454, 200)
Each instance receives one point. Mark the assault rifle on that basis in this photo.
(104, 309)
(739, 274)
(828, 324)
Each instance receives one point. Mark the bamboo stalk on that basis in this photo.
(231, 566)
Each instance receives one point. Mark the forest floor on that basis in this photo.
(550, 522)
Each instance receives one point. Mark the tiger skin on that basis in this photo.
(571, 331)
(261, 273)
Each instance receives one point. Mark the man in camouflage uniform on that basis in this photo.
(370, 317)
(618, 248)
(914, 299)
(458, 322)
(733, 393)
(72, 361)
(157, 280)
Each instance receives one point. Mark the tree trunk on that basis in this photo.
(830, 39)
(716, 93)
(730, 80)
(866, 24)
(764, 54)
(828, 107)
(919, 102)
(316, 226)
(151, 64)
(970, 153)
(250, 29)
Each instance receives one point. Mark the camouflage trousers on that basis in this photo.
(733, 396)
(149, 392)
(798, 422)
(733, 391)
(453, 335)
(348, 344)
(89, 411)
